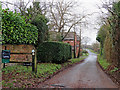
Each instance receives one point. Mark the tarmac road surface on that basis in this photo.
(85, 75)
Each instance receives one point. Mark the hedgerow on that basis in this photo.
(55, 52)
(15, 29)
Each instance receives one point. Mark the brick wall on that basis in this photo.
(19, 49)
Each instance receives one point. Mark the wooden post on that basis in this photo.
(34, 61)
(4, 63)
(35, 66)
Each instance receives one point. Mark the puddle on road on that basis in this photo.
(54, 86)
(58, 85)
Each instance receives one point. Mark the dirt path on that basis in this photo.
(84, 75)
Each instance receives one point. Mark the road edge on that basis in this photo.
(109, 75)
(62, 69)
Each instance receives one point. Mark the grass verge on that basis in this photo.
(93, 51)
(110, 69)
(103, 62)
(22, 77)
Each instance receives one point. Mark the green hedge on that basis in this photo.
(84, 51)
(15, 29)
(55, 52)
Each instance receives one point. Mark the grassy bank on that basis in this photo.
(23, 77)
(103, 62)
(72, 61)
(93, 51)
(106, 65)
(110, 69)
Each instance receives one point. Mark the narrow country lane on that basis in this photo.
(85, 75)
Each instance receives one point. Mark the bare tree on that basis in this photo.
(86, 40)
(22, 6)
(19, 5)
(63, 17)
(95, 46)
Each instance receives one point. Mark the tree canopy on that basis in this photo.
(40, 21)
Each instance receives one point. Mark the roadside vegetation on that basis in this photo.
(103, 62)
(93, 51)
(109, 38)
(54, 52)
(20, 76)
(106, 65)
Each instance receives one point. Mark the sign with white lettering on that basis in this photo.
(5, 56)
(27, 63)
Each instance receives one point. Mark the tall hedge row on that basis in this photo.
(55, 52)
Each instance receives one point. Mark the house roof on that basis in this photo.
(70, 35)
(78, 37)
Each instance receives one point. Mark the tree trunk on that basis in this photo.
(79, 50)
(74, 45)
(79, 45)
(101, 50)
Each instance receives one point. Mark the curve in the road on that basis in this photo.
(85, 75)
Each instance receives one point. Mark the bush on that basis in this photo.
(55, 52)
(84, 51)
(40, 21)
(15, 29)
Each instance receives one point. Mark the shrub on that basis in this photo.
(84, 51)
(15, 30)
(55, 52)
(40, 21)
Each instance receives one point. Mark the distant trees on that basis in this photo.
(86, 40)
(95, 47)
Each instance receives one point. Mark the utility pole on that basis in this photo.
(74, 44)
(79, 43)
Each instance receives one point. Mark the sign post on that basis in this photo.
(5, 56)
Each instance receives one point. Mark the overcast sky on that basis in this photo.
(88, 6)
